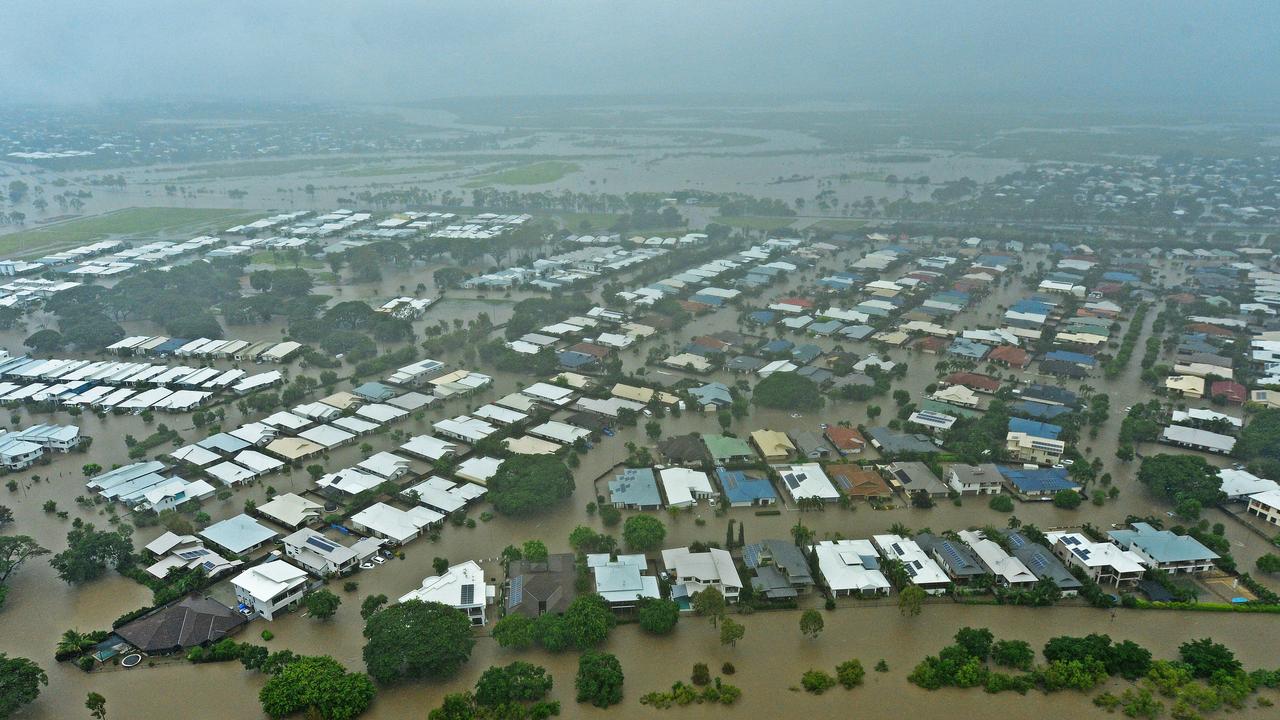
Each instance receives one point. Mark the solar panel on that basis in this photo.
(321, 543)
(517, 590)
(897, 549)
(1016, 540)
(791, 481)
(468, 594)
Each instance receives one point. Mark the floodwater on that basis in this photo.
(769, 660)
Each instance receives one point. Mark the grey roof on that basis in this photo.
(957, 559)
(891, 441)
(238, 534)
(635, 486)
(782, 554)
(916, 476)
(1041, 562)
(1162, 546)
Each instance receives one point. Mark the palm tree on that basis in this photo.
(72, 642)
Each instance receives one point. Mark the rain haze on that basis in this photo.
(467, 360)
(1086, 52)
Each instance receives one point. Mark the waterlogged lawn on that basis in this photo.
(538, 173)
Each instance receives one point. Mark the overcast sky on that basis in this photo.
(385, 50)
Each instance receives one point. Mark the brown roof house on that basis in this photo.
(846, 439)
(857, 483)
(537, 588)
(683, 449)
(190, 622)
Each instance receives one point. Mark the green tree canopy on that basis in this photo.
(89, 551)
(787, 391)
(514, 631)
(416, 639)
(321, 604)
(643, 532)
(318, 686)
(1181, 477)
(20, 683)
(657, 616)
(599, 680)
(811, 623)
(709, 603)
(588, 620)
(525, 485)
(516, 682)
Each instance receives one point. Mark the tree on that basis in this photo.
(657, 616)
(653, 429)
(552, 632)
(911, 600)
(731, 632)
(96, 705)
(787, 391)
(1013, 653)
(643, 532)
(321, 604)
(16, 550)
(1207, 658)
(588, 620)
(709, 603)
(45, 341)
(318, 686)
(88, 553)
(6, 515)
(1269, 563)
(517, 682)
(20, 681)
(811, 623)
(416, 639)
(1001, 503)
(525, 485)
(535, 551)
(514, 631)
(599, 680)
(1182, 477)
(371, 605)
(1067, 499)
(850, 673)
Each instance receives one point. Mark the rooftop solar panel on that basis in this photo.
(468, 594)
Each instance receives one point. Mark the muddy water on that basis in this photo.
(40, 607)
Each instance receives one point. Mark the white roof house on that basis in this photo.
(1105, 562)
(429, 447)
(327, 436)
(548, 393)
(291, 510)
(807, 481)
(229, 473)
(1009, 571)
(559, 432)
(385, 464)
(350, 481)
(268, 588)
(318, 554)
(393, 524)
(239, 534)
(464, 428)
(257, 462)
(851, 567)
(684, 487)
(478, 468)
(462, 587)
(195, 455)
(381, 412)
(1240, 484)
(694, 572)
(921, 569)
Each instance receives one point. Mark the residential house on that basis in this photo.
(1031, 449)
(622, 582)
(851, 567)
(914, 476)
(1036, 483)
(984, 479)
(1105, 563)
(858, 483)
(1008, 570)
(807, 482)
(1266, 505)
(685, 487)
(810, 445)
(318, 554)
(392, 524)
(921, 569)
(190, 622)
(725, 449)
(773, 446)
(683, 449)
(1164, 550)
(781, 570)
(269, 588)
(847, 440)
(291, 510)
(635, 489)
(745, 490)
(693, 572)
(461, 587)
(239, 535)
(538, 588)
(1043, 563)
(1197, 439)
(958, 560)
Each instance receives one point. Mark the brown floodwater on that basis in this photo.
(770, 659)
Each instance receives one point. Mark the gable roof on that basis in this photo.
(187, 623)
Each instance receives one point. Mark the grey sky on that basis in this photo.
(387, 50)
